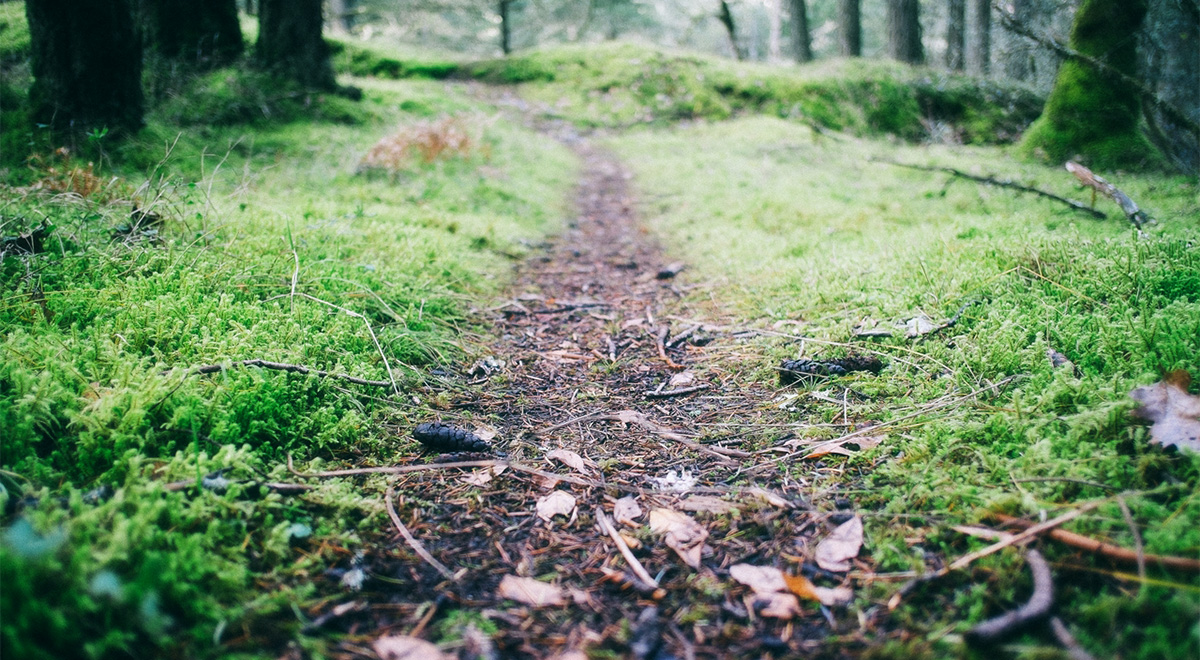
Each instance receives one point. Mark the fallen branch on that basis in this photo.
(412, 540)
(659, 338)
(430, 467)
(1003, 183)
(1099, 185)
(281, 488)
(1108, 550)
(966, 560)
(1038, 606)
(666, 394)
(283, 366)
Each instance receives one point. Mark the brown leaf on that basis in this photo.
(835, 551)
(554, 503)
(682, 534)
(399, 647)
(804, 588)
(1175, 413)
(483, 476)
(777, 605)
(771, 498)
(626, 511)
(682, 379)
(571, 460)
(762, 579)
(529, 591)
(920, 325)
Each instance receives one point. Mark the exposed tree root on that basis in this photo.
(1038, 606)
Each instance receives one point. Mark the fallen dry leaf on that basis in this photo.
(761, 579)
(835, 551)
(682, 534)
(483, 476)
(804, 588)
(864, 442)
(555, 503)
(485, 432)
(682, 379)
(707, 504)
(627, 511)
(530, 591)
(399, 647)
(570, 459)
(1175, 413)
(920, 325)
(777, 605)
(771, 498)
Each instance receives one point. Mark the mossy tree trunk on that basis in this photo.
(290, 43)
(980, 54)
(201, 33)
(850, 28)
(87, 65)
(904, 31)
(1089, 113)
(801, 41)
(956, 34)
(725, 15)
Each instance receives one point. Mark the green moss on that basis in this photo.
(14, 33)
(1089, 114)
(362, 61)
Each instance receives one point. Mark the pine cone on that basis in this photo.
(794, 371)
(444, 438)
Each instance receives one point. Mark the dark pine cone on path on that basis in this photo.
(793, 371)
(445, 438)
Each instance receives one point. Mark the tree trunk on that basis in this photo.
(506, 26)
(1088, 112)
(850, 28)
(1017, 52)
(202, 33)
(87, 65)
(774, 29)
(290, 43)
(956, 34)
(904, 31)
(726, 18)
(1171, 66)
(981, 46)
(801, 41)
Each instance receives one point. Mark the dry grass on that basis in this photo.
(60, 174)
(425, 142)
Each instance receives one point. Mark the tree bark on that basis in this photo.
(904, 31)
(956, 34)
(87, 65)
(202, 33)
(1090, 112)
(1017, 54)
(290, 42)
(801, 41)
(981, 46)
(850, 28)
(506, 26)
(774, 29)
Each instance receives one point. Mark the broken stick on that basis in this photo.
(283, 366)
(1108, 550)
(1003, 183)
(1038, 606)
(1099, 185)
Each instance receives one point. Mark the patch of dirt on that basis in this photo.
(590, 346)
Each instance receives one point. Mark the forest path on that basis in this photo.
(597, 377)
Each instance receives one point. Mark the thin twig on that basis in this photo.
(659, 338)
(1037, 607)
(665, 394)
(1021, 537)
(412, 540)
(1108, 550)
(1137, 537)
(1064, 637)
(283, 366)
(633, 562)
(683, 336)
(1002, 183)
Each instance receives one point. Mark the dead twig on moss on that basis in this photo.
(1001, 183)
(1099, 185)
(666, 394)
(1037, 607)
(412, 540)
(1064, 637)
(1108, 550)
(284, 366)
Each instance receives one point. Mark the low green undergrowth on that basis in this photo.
(814, 236)
(244, 242)
(623, 84)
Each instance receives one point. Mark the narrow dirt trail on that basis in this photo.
(590, 359)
